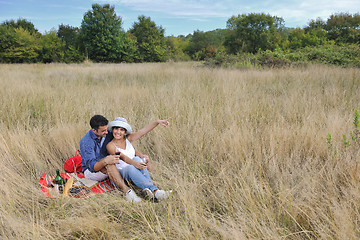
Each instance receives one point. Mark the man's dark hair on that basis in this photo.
(97, 121)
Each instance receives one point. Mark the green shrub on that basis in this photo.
(344, 55)
(221, 59)
(272, 59)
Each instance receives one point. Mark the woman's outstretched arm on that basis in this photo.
(137, 135)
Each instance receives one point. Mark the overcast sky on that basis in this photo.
(177, 17)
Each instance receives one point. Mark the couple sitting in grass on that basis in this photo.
(107, 151)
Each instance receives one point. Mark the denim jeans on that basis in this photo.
(140, 177)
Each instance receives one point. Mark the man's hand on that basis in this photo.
(112, 159)
(103, 163)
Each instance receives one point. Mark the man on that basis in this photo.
(96, 164)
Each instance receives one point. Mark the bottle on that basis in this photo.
(59, 181)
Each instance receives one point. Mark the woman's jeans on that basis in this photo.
(140, 177)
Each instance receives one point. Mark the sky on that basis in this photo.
(177, 17)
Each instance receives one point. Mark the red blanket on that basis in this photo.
(46, 182)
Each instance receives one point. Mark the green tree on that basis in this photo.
(343, 28)
(300, 38)
(102, 34)
(69, 34)
(24, 24)
(19, 41)
(151, 42)
(131, 53)
(52, 48)
(17, 45)
(176, 48)
(73, 48)
(252, 32)
(315, 25)
(205, 44)
(197, 45)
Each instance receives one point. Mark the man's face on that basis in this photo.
(101, 131)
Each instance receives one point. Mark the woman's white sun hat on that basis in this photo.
(120, 122)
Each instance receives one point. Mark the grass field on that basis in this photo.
(246, 153)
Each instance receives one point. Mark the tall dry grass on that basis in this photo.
(246, 153)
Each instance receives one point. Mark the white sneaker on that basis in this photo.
(148, 194)
(162, 195)
(131, 197)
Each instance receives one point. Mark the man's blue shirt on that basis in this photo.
(92, 150)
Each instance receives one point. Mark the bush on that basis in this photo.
(272, 59)
(221, 59)
(345, 56)
(249, 60)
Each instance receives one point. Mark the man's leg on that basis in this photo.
(115, 176)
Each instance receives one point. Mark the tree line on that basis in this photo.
(101, 38)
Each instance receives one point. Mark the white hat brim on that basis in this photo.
(120, 124)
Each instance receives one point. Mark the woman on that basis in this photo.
(132, 164)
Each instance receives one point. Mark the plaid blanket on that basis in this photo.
(46, 181)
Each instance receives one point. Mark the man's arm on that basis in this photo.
(87, 151)
(110, 159)
(93, 163)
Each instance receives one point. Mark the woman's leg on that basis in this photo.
(140, 177)
(145, 172)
